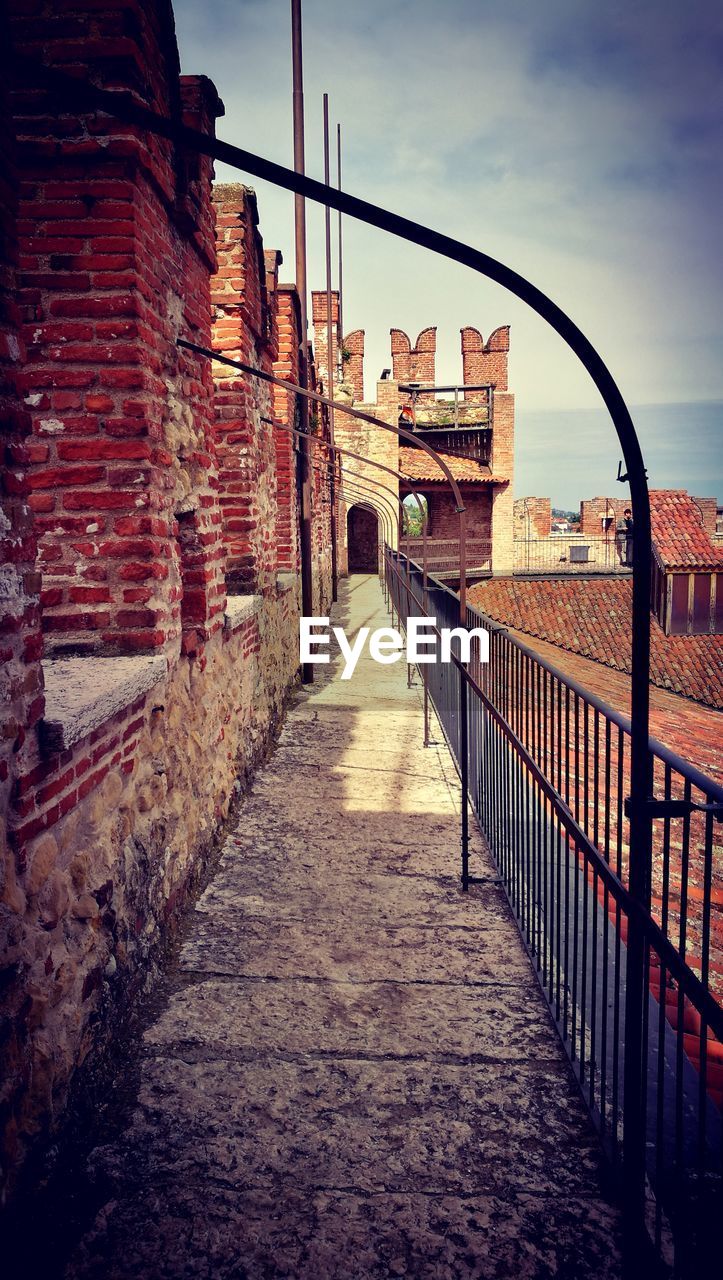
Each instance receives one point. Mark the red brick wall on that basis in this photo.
(287, 366)
(485, 362)
(354, 366)
(593, 509)
(532, 518)
(110, 453)
(363, 539)
(379, 446)
(503, 463)
(443, 517)
(708, 510)
(319, 317)
(244, 329)
(320, 499)
(116, 250)
(414, 364)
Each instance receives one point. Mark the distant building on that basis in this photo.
(470, 423)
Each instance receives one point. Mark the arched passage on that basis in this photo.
(362, 531)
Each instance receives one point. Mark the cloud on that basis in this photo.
(581, 143)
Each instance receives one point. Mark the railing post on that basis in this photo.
(464, 775)
(639, 882)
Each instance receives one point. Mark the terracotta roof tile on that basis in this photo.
(592, 617)
(417, 465)
(680, 537)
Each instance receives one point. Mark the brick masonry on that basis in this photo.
(414, 363)
(532, 518)
(490, 506)
(595, 512)
(244, 328)
(116, 253)
(143, 491)
(485, 362)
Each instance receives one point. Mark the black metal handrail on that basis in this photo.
(545, 766)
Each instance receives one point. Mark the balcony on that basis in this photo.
(457, 426)
(442, 555)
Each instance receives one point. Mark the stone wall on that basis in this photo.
(286, 366)
(123, 747)
(321, 513)
(115, 816)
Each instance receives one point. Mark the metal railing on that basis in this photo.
(442, 554)
(545, 766)
(570, 553)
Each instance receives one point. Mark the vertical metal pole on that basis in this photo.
(462, 568)
(425, 598)
(405, 525)
(639, 876)
(330, 371)
(341, 286)
(305, 537)
(464, 777)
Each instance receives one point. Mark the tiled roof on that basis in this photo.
(680, 537)
(592, 617)
(690, 729)
(417, 465)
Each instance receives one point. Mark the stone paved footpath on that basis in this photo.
(352, 1073)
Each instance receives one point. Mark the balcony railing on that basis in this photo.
(545, 766)
(570, 553)
(443, 554)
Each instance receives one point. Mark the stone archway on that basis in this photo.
(362, 527)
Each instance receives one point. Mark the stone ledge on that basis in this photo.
(83, 693)
(238, 610)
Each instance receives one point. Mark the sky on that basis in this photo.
(580, 143)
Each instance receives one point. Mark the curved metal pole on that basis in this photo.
(333, 404)
(369, 496)
(424, 513)
(386, 509)
(381, 489)
(400, 432)
(365, 498)
(337, 448)
(120, 104)
(311, 395)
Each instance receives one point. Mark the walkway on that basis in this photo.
(353, 1073)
